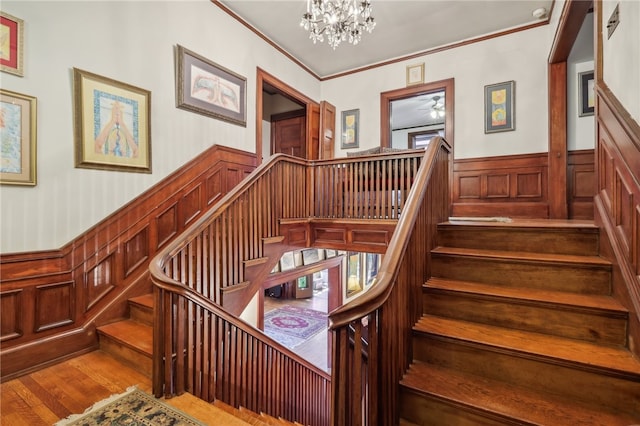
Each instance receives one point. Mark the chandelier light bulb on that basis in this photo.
(339, 20)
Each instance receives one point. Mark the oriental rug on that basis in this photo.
(133, 407)
(292, 326)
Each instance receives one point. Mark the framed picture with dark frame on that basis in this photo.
(112, 124)
(586, 93)
(12, 29)
(206, 88)
(18, 148)
(499, 107)
(350, 130)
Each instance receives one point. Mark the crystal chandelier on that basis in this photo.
(338, 20)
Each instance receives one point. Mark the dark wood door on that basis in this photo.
(288, 134)
(327, 130)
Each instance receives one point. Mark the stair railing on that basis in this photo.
(365, 385)
(202, 349)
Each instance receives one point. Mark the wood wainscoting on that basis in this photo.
(51, 301)
(617, 203)
(516, 186)
(513, 186)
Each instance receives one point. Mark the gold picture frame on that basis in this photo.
(112, 124)
(18, 138)
(415, 74)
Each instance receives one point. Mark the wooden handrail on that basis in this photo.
(365, 388)
(201, 347)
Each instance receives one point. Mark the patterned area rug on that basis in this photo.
(292, 326)
(133, 407)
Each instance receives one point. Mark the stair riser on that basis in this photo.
(141, 314)
(429, 411)
(127, 355)
(524, 274)
(592, 326)
(574, 242)
(574, 384)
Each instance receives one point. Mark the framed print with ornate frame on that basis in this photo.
(112, 124)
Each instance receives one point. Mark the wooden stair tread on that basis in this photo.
(146, 300)
(610, 360)
(131, 333)
(560, 224)
(524, 256)
(497, 398)
(575, 300)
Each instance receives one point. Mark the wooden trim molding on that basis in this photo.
(56, 296)
(512, 185)
(618, 201)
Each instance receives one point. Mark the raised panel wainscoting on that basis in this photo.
(51, 301)
(517, 186)
(617, 203)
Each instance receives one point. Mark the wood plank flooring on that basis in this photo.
(46, 396)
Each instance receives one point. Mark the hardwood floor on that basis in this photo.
(315, 349)
(46, 396)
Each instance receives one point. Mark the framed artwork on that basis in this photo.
(586, 93)
(112, 124)
(499, 107)
(11, 44)
(354, 282)
(415, 74)
(372, 267)
(330, 253)
(18, 138)
(207, 88)
(350, 123)
(287, 261)
(310, 256)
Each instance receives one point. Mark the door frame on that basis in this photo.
(411, 91)
(285, 90)
(573, 15)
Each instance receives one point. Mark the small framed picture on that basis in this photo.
(310, 256)
(350, 123)
(499, 107)
(287, 261)
(11, 52)
(586, 93)
(18, 138)
(207, 88)
(415, 74)
(112, 124)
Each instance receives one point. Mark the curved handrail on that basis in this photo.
(205, 303)
(220, 260)
(215, 211)
(365, 383)
(379, 292)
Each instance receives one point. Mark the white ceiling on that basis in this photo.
(403, 28)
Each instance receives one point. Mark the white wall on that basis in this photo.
(580, 130)
(521, 56)
(132, 42)
(621, 54)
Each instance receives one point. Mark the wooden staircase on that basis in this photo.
(519, 327)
